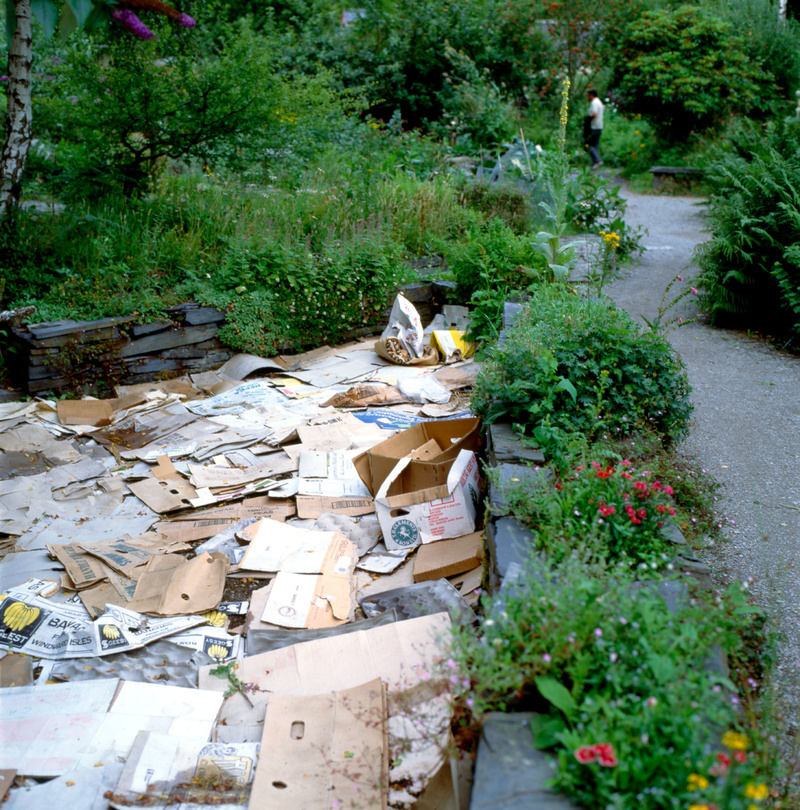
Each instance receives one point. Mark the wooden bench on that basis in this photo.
(663, 174)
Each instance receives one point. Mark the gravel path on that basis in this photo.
(745, 429)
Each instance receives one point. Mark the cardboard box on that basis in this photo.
(422, 503)
(452, 435)
(448, 557)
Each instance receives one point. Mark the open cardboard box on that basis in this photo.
(420, 442)
(419, 502)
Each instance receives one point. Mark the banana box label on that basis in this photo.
(56, 630)
(18, 622)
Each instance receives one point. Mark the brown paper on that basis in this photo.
(362, 395)
(82, 569)
(16, 670)
(445, 558)
(164, 495)
(171, 585)
(323, 752)
(97, 412)
(312, 506)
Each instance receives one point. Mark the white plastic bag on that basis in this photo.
(406, 326)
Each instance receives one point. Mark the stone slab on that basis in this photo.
(507, 542)
(505, 446)
(510, 474)
(510, 773)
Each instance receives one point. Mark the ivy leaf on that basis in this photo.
(46, 12)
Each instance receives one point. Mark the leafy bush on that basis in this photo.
(503, 201)
(583, 365)
(686, 68)
(491, 256)
(118, 110)
(750, 269)
(607, 663)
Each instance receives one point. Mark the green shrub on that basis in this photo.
(490, 256)
(606, 661)
(750, 268)
(686, 68)
(583, 365)
(503, 201)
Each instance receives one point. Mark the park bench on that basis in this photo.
(663, 174)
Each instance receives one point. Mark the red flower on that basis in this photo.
(606, 755)
(586, 754)
(606, 510)
(635, 519)
(657, 485)
(642, 513)
(641, 486)
(669, 490)
(740, 756)
(723, 763)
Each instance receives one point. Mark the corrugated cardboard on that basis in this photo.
(171, 585)
(446, 558)
(305, 600)
(453, 435)
(312, 506)
(97, 412)
(420, 503)
(326, 751)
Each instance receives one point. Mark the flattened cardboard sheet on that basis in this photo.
(171, 585)
(312, 506)
(324, 752)
(97, 412)
(306, 600)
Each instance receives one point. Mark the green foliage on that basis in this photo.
(119, 109)
(606, 661)
(504, 201)
(686, 68)
(749, 270)
(612, 513)
(618, 377)
(423, 59)
(492, 255)
(595, 206)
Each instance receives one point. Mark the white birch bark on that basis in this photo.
(17, 139)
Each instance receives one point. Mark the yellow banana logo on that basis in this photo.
(214, 617)
(110, 631)
(218, 651)
(20, 615)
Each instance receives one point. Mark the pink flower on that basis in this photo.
(694, 290)
(131, 23)
(586, 754)
(680, 278)
(606, 755)
(451, 663)
(546, 658)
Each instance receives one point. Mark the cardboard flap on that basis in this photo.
(305, 600)
(97, 412)
(445, 558)
(172, 585)
(315, 751)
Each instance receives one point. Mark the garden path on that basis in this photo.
(745, 428)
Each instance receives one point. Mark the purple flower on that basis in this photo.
(451, 663)
(132, 24)
(186, 21)
(3, 78)
(546, 658)
(598, 632)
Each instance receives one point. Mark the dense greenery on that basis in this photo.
(750, 269)
(583, 365)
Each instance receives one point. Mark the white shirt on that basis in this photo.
(596, 109)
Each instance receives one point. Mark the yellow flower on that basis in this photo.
(735, 741)
(758, 792)
(699, 807)
(697, 782)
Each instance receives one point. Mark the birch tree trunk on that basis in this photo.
(18, 117)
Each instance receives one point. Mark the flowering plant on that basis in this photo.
(616, 512)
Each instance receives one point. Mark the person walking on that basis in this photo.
(595, 128)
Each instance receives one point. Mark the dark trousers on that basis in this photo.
(594, 145)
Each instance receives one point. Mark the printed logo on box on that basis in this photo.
(18, 622)
(111, 637)
(405, 533)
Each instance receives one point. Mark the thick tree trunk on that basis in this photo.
(18, 118)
